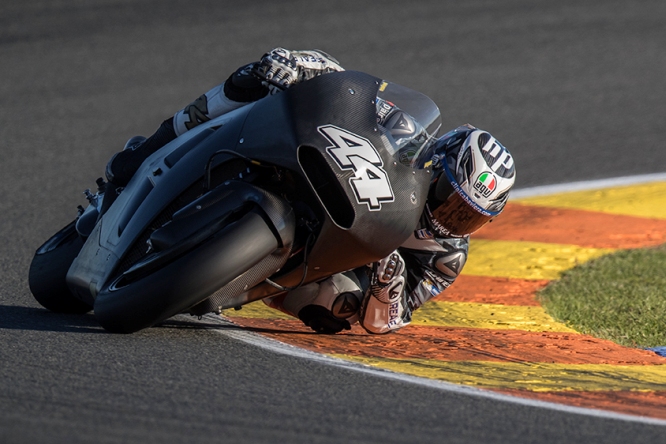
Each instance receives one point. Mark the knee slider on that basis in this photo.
(322, 320)
(342, 313)
(333, 307)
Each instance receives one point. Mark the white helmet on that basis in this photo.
(472, 176)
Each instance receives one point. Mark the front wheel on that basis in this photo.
(135, 301)
(48, 272)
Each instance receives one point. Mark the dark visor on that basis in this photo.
(456, 212)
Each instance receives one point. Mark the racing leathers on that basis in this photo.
(381, 296)
(283, 67)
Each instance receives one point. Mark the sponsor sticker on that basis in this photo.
(384, 107)
(485, 184)
(423, 233)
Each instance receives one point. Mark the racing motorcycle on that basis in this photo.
(282, 192)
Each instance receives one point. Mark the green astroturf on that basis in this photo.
(621, 297)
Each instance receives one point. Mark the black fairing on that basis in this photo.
(280, 130)
(345, 100)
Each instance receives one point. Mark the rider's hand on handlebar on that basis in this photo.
(280, 67)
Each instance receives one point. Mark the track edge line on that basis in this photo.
(276, 346)
(543, 190)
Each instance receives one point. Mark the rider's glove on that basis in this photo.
(314, 63)
(384, 303)
(286, 67)
(279, 66)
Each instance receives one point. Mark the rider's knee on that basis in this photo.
(328, 306)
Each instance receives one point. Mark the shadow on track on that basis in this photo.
(14, 317)
(203, 325)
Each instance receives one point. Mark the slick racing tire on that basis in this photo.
(126, 306)
(48, 271)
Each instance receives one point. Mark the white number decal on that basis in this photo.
(499, 154)
(351, 152)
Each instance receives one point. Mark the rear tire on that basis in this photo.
(48, 272)
(128, 306)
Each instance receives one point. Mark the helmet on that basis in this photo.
(472, 176)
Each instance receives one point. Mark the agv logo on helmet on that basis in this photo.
(485, 184)
(489, 168)
(498, 159)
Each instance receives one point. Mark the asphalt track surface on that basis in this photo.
(574, 89)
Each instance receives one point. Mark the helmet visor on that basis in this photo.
(457, 217)
(457, 213)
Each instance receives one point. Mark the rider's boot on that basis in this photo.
(124, 164)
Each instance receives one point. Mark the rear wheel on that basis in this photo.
(147, 294)
(48, 272)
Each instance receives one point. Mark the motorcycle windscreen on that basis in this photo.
(411, 119)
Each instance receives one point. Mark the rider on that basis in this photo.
(472, 176)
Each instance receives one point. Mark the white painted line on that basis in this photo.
(276, 346)
(586, 185)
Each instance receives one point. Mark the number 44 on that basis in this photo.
(352, 152)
